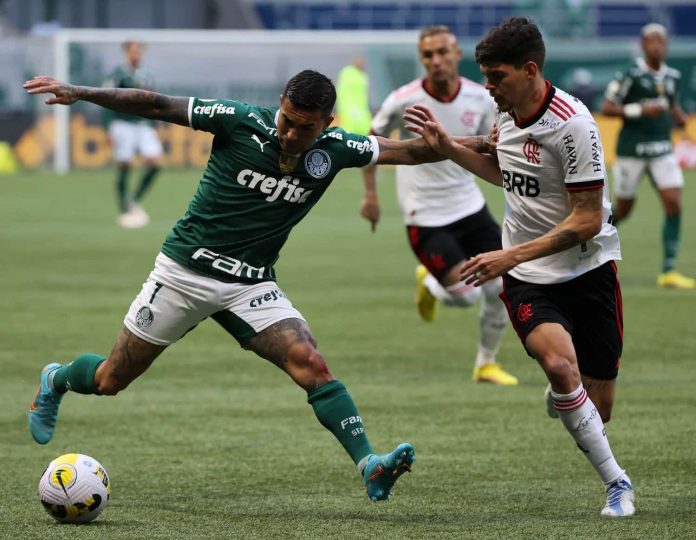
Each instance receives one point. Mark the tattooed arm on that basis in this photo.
(582, 224)
(125, 100)
(407, 152)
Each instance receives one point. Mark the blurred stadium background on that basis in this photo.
(247, 50)
(212, 442)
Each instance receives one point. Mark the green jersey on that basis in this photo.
(643, 136)
(126, 77)
(245, 207)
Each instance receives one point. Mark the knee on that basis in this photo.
(560, 368)
(304, 358)
(672, 208)
(621, 210)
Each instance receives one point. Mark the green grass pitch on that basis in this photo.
(214, 442)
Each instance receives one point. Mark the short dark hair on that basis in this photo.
(514, 41)
(434, 31)
(311, 91)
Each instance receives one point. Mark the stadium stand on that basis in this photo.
(470, 18)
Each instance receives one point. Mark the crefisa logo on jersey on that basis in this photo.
(318, 163)
(144, 317)
(532, 151)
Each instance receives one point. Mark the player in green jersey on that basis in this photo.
(129, 135)
(646, 96)
(267, 168)
(353, 97)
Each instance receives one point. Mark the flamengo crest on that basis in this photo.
(532, 151)
(524, 312)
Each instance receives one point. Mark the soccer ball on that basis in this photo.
(74, 488)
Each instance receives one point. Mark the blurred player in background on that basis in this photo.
(131, 135)
(353, 97)
(268, 167)
(560, 281)
(446, 217)
(646, 96)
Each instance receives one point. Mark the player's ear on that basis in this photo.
(282, 99)
(329, 120)
(531, 69)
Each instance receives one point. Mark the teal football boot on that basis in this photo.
(381, 472)
(43, 411)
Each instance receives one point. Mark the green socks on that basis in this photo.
(122, 190)
(145, 182)
(336, 411)
(670, 241)
(78, 375)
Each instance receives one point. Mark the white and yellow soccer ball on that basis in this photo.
(74, 488)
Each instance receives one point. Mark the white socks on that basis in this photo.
(459, 294)
(493, 320)
(581, 418)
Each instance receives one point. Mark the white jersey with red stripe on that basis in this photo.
(436, 194)
(542, 158)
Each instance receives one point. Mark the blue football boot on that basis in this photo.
(381, 472)
(43, 411)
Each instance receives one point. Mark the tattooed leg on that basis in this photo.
(129, 359)
(601, 393)
(289, 344)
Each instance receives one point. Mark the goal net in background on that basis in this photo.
(250, 66)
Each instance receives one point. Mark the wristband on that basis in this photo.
(633, 110)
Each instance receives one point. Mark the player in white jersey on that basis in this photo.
(444, 211)
(559, 246)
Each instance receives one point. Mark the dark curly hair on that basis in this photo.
(311, 91)
(514, 41)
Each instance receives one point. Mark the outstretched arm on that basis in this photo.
(417, 151)
(408, 152)
(422, 121)
(125, 100)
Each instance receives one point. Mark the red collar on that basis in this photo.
(541, 109)
(448, 99)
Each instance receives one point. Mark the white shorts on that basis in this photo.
(175, 299)
(664, 171)
(129, 138)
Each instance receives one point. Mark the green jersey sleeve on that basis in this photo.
(348, 149)
(217, 116)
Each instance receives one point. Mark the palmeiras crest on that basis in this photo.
(144, 317)
(317, 163)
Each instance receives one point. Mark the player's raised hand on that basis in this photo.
(370, 210)
(419, 119)
(64, 94)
